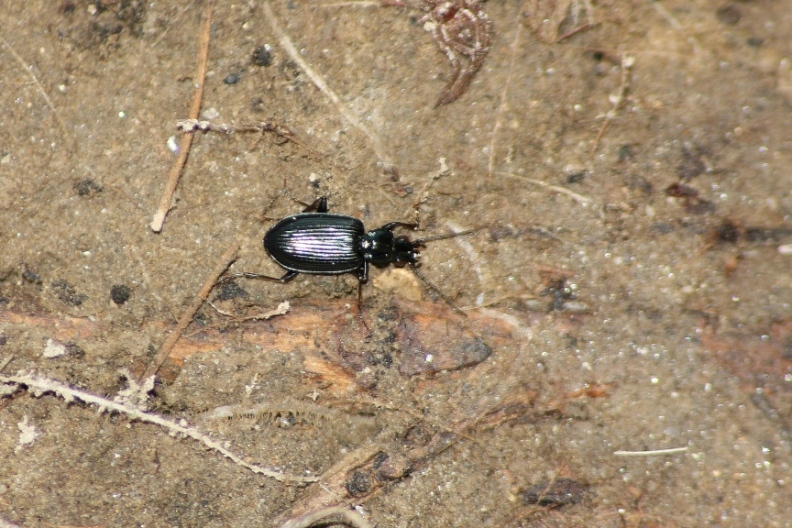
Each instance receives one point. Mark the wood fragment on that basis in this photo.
(309, 519)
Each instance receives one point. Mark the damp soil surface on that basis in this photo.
(626, 354)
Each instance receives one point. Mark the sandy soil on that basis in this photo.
(630, 289)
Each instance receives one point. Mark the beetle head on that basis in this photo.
(381, 248)
(405, 251)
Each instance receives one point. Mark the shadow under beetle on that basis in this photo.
(321, 243)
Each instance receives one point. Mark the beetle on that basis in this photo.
(318, 242)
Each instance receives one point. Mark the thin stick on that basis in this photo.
(654, 452)
(294, 55)
(627, 62)
(228, 257)
(4, 363)
(503, 105)
(38, 385)
(195, 108)
(584, 200)
(38, 84)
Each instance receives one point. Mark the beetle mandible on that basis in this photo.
(317, 242)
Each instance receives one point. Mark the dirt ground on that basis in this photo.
(630, 289)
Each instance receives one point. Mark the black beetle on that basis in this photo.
(321, 243)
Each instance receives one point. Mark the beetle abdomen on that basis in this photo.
(316, 243)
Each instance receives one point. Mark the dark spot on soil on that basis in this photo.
(132, 13)
(97, 25)
(728, 15)
(557, 493)
(418, 435)
(389, 339)
(257, 104)
(31, 276)
(728, 231)
(291, 68)
(67, 293)
(75, 350)
(502, 232)
(678, 190)
(389, 313)
(640, 184)
(691, 164)
(105, 31)
(120, 293)
(764, 234)
(560, 292)
(390, 468)
(625, 153)
(231, 290)
(379, 358)
(233, 78)
(359, 484)
(67, 7)
(201, 318)
(87, 187)
(662, 228)
(262, 56)
(690, 199)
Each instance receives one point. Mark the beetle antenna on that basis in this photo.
(436, 289)
(447, 235)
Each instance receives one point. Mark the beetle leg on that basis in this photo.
(320, 205)
(435, 289)
(360, 308)
(363, 273)
(248, 275)
(362, 279)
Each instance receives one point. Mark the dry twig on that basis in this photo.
(617, 100)
(195, 108)
(228, 257)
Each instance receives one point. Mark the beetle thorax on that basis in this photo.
(381, 248)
